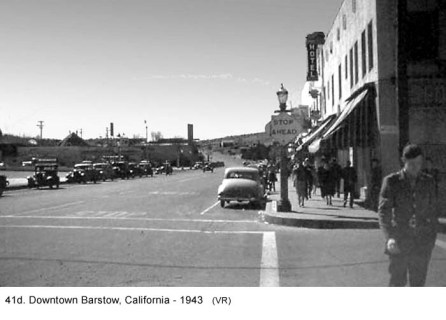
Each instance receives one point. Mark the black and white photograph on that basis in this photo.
(221, 144)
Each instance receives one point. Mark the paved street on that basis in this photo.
(170, 231)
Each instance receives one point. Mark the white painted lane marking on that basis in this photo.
(269, 268)
(53, 208)
(124, 218)
(441, 244)
(126, 229)
(210, 208)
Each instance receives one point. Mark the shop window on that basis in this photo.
(346, 66)
(356, 62)
(340, 81)
(351, 68)
(422, 36)
(370, 42)
(364, 54)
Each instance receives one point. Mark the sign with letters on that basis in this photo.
(312, 61)
(284, 128)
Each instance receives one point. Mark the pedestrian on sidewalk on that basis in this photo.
(375, 184)
(350, 178)
(326, 182)
(408, 217)
(272, 178)
(300, 182)
(309, 172)
(337, 175)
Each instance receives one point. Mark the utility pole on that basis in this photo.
(40, 125)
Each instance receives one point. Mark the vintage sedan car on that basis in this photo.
(208, 167)
(105, 171)
(3, 184)
(242, 184)
(121, 169)
(83, 173)
(45, 174)
(146, 168)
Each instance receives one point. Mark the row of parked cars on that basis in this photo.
(46, 172)
(87, 171)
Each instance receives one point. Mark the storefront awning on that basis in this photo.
(317, 132)
(348, 109)
(356, 125)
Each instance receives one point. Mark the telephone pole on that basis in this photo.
(40, 125)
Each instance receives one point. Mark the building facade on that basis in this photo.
(381, 71)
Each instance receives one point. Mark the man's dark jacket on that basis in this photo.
(408, 215)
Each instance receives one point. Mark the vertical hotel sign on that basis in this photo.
(313, 40)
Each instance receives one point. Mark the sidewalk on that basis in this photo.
(316, 214)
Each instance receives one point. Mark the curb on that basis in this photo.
(270, 215)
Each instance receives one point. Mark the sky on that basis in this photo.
(216, 64)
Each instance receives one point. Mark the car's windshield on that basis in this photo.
(242, 175)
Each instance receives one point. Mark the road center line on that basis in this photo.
(127, 229)
(441, 244)
(53, 208)
(211, 207)
(269, 268)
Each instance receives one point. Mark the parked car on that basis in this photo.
(3, 184)
(146, 168)
(121, 169)
(45, 174)
(105, 171)
(166, 168)
(198, 165)
(83, 173)
(208, 167)
(242, 184)
(135, 170)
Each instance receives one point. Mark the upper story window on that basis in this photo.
(338, 34)
(331, 47)
(354, 6)
(344, 22)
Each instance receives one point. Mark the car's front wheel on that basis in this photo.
(222, 203)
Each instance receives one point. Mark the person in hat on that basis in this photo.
(300, 182)
(408, 217)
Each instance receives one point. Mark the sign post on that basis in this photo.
(283, 128)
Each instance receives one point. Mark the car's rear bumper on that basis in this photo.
(229, 198)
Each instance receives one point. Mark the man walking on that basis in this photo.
(337, 173)
(408, 217)
(350, 178)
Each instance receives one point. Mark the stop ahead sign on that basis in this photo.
(285, 128)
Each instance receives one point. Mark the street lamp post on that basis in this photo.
(284, 204)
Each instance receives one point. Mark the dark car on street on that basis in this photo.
(3, 184)
(105, 171)
(208, 167)
(121, 169)
(45, 174)
(83, 173)
(146, 168)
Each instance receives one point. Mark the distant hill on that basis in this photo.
(241, 140)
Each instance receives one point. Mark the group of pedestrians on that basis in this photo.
(327, 177)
